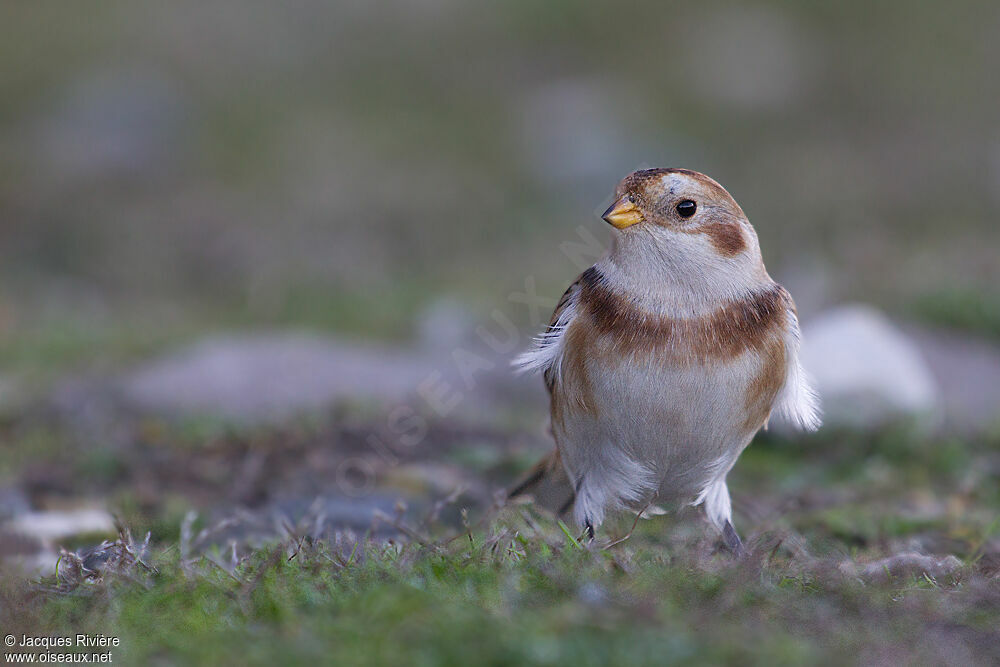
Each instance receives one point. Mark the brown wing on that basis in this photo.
(548, 478)
(571, 293)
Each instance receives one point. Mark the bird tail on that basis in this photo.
(548, 483)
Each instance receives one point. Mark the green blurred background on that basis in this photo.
(172, 168)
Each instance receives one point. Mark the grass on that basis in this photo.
(961, 309)
(510, 584)
(516, 590)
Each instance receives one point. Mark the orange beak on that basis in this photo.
(623, 213)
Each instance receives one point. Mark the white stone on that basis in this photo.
(865, 369)
(266, 376)
(51, 526)
(967, 368)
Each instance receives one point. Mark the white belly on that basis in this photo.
(671, 429)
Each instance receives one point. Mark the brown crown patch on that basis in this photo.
(725, 333)
(642, 182)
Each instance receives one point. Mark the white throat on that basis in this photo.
(679, 274)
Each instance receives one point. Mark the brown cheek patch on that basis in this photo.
(765, 386)
(723, 334)
(726, 237)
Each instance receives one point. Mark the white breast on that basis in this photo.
(658, 429)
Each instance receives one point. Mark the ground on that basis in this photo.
(833, 523)
(177, 172)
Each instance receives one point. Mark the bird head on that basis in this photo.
(679, 201)
(682, 226)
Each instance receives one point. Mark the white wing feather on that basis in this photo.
(797, 402)
(547, 348)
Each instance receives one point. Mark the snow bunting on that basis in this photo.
(666, 357)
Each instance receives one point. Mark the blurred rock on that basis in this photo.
(445, 324)
(13, 502)
(866, 370)
(329, 513)
(320, 518)
(430, 479)
(262, 377)
(902, 565)
(323, 517)
(53, 525)
(31, 541)
(968, 371)
(270, 377)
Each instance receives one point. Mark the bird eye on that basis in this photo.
(686, 208)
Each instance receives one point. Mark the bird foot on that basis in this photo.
(733, 542)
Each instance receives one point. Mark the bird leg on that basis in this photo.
(566, 505)
(531, 480)
(732, 540)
